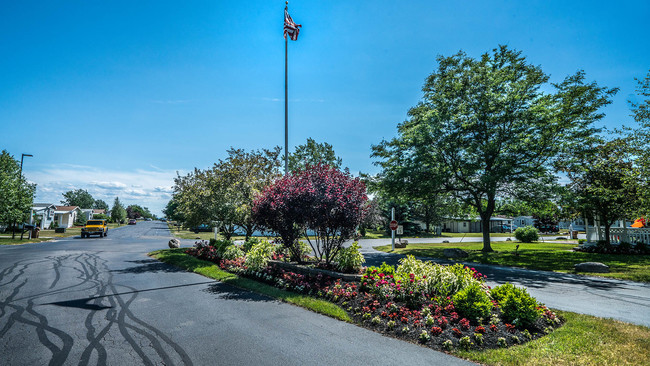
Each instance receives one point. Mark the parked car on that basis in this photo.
(506, 228)
(201, 228)
(94, 227)
(132, 222)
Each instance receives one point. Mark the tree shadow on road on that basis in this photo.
(148, 266)
(227, 292)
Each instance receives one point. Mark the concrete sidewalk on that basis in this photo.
(627, 301)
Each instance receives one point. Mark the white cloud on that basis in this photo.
(109, 185)
(145, 187)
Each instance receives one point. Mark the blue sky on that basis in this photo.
(115, 97)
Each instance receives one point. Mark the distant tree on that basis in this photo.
(137, 211)
(100, 205)
(118, 213)
(16, 194)
(101, 217)
(250, 172)
(172, 212)
(78, 197)
(487, 125)
(604, 183)
(80, 219)
(640, 136)
(313, 153)
(224, 194)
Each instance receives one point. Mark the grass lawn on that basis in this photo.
(583, 340)
(376, 234)
(546, 256)
(178, 258)
(45, 235)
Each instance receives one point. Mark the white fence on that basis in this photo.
(628, 235)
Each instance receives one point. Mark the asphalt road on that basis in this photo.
(627, 301)
(103, 301)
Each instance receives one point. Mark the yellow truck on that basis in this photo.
(94, 227)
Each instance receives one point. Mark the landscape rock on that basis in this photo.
(595, 267)
(455, 253)
(174, 243)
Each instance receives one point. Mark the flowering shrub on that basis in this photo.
(320, 198)
(480, 329)
(464, 324)
(457, 332)
(349, 260)
(436, 331)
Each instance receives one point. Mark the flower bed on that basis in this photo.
(442, 307)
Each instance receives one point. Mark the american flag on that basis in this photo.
(290, 27)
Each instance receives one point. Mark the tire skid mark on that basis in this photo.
(6, 303)
(59, 355)
(149, 343)
(95, 340)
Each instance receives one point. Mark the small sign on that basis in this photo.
(393, 225)
(400, 230)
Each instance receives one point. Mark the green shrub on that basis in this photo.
(432, 278)
(465, 343)
(424, 336)
(479, 338)
(386, 269)
(232, 252)
(499, 293)
(517, 306)
(258, 256)
(349, 259)
(220, 246)
(527, 234)
(249, 243)
(473, 302)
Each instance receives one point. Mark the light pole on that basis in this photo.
(20, 177)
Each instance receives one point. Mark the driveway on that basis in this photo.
(103, 301)
(627, 301)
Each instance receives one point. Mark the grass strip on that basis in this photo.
(583, 340)
(547, 256)
(17, 241)
(178, 258)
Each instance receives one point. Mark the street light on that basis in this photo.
(21, 163)
(13, 230)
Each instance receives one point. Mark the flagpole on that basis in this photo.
(286, 103)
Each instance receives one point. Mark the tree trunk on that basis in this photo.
(485, 221)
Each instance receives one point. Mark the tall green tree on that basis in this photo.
(78, 197)
(100, 205)
(224, 193)
(137, 211)
(640, 136)
(118, 212)
(172, 211)
(485, 126)
(311, 154)
(604, 182)
(16, 194)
